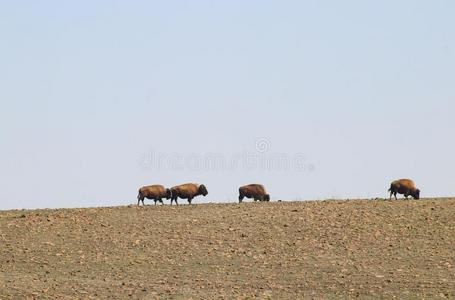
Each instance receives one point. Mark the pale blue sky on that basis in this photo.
(364, 90)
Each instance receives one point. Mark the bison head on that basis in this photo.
(416, 194)
(266, 197)
(203, 190)
(168, 194)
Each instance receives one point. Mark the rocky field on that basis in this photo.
(280, 250)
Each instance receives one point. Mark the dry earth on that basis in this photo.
(278, 250)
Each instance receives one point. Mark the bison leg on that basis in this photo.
(189, 200)
(158, 200)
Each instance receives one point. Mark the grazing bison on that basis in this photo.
(187, 191)
(406, 187)
(255, 191)
(155, 192)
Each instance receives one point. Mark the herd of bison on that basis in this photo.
(257, 192)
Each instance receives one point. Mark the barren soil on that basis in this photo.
(279, 250)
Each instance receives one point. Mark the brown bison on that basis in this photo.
(406, 187)
(155, 192)
(255, 191)
(187, 191)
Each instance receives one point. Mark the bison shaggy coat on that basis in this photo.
(255, 191)
(155, 192)
(406, 187)
(187, 191)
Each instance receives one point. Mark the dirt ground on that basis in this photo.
(278, 250)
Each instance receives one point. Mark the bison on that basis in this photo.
(155, 192)
(255, 191)
(187, 191)
(406, 187)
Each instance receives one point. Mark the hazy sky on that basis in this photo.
(101, 97)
